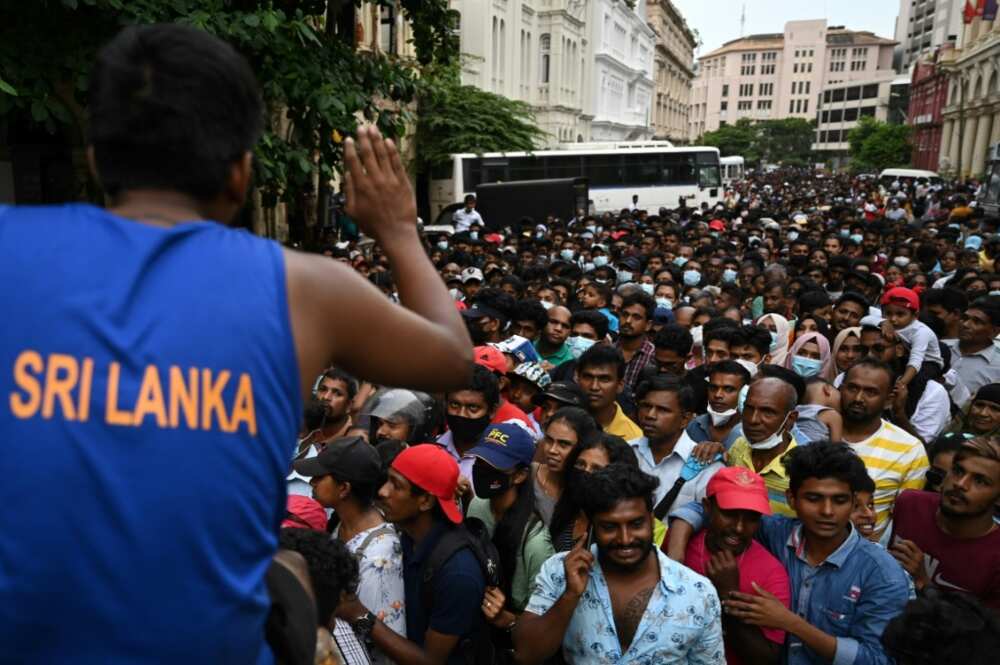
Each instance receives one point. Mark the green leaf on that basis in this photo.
(7, 88)
(252, 20)
(39, 112)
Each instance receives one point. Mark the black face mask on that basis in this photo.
(487, 481)
(467, 430)
(314, 414)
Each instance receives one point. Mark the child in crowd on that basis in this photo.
(819, 414)
(899, 307)
(598, 296)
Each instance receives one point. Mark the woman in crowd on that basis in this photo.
(810, 356)
(846, 348)
(565, 431)
(780, 331)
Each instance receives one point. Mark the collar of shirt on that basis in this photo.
(446, 442)
(741, 455)
(682, 449)
(797, 543)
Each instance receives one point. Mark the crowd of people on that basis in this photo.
(762, 431)
(793, 394)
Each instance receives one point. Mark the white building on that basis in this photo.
(534, 51)
(924, 25)
(781, 75)
(621, 46)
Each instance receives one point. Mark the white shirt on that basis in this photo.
(932, 413)
(923, 344)
(668, 470)
(465, 219)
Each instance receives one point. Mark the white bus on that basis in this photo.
(732, 169)
(659, 174)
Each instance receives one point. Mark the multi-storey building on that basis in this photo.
(534, 51)
(928, 95)
(924, 25)
(781, 75)
(674, 70)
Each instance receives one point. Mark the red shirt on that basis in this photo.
(756, 565)
(508, 411)
(963, 564)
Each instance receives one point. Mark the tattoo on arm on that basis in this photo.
(631, 615)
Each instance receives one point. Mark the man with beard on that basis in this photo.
(635, 321)
(895, 460)
(728, 555)
(662, 611)
(950, 540)
(551, 346)
(848, 311)
(335, 389)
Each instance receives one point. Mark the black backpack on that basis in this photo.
(480, 647)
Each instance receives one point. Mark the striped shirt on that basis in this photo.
(775, 477)
(896, 461)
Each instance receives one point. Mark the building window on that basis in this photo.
(744, 105)
(795, 68)
(836, 115)
(869, 91)
(545, 45)
(838, 95)
(805, 106)
(824, 117)
(723, 105)
(764, 105)
(725, 90)
(850, 115)
(853, 93)
(867, 112)
(791, 106)
(387, 30)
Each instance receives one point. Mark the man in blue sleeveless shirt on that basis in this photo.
(153, 363)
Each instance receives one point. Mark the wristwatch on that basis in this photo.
(364, 624)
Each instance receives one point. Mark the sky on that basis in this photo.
(718, 21)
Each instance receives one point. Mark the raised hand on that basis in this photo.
(577, 565)
(377, 187)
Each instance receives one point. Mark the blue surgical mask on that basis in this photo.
(806, 367)
(665, 303)
(587, 267)
(742, 398)
(648, 288)
(577, 345)
(857, 238)
(729, 276)
(567, 254)
(680, 261)
(793, 235)
(624, 276)
(442, 245)
(845, 233)
(474, 235)
(774, 341)
(692, 277)
(600, 260)
(592, 229)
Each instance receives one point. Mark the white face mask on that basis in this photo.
(546, 304)
(720, 417)
(748, 366)
(648, 288)
(772, 441)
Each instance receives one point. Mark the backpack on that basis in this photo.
(478, 648)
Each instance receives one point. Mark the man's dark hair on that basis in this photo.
(484, 381)
(988, 308)
(823, 459)
(592, 318)
(675, 337)
(602, 355)
(646, 301)
(951, 299)
(757, 337)
(332, 568)
(514, 282)
(669, 384)
(503, 303)
(943, 627)
(531, 310)
(730, 367)
(606, 487)
(719, 328)
(854, 296)
(335, 374)
(171, 107)
(810, 301)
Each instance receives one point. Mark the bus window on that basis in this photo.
(678, 169)
(603, 170)
(526, 168)
(708, 176)
(642, 169)
(567, 166)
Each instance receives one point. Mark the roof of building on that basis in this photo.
(840, 36)
(769, 40)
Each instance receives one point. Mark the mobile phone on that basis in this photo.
(590, 536)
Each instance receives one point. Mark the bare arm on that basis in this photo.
(339, 317)
(834, 422)
(437, 646)
(537, 638)
(749, 642)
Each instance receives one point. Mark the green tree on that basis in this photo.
(788, 141)
(877, 145)
(736, 139)
(455, 118)
(316, 84)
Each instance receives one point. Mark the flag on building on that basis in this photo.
(990, 10)
(968, 13)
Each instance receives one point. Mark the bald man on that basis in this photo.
(551, 345)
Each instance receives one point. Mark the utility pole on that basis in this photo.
(743, 21)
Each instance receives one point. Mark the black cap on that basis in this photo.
(565, 392)
(349, 459)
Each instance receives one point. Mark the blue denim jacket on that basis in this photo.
(852, 595)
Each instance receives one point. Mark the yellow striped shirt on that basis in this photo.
(896, 461)
(774, 475)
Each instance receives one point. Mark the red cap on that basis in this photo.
(717, 225)
(736, 488)
(900, 295)
(460, 306)
(490, 358)
(304, 513)
(432, 469)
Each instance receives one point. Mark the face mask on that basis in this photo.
(591, 228)
(729, 276)
(748, 366)
(793, 235)
(774, 341)
(577, 345)
(665, 303)
(901, 261)
(696, 335)
(567, 254)
(806, 367)
(600, 261)
(857, 238)
(546, 304)
(845, 233)
(772, 441)
(994, 293)
(680, 261)
(456, 294)
(443, 245)
(692, 277)
(587, 267)
(720, 417)
(488, 482)
(743, 396)
(473, 235)
(466, 430)
(648, 288)
(624, 276)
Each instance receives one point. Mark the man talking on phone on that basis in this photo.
(622, 575)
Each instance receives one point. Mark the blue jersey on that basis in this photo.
(149, 401)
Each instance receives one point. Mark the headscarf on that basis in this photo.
(839, 341)
(826, 371)
(783, 330)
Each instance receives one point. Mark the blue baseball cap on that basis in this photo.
(505, 446)
(521, 348)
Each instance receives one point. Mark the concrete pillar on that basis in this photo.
(954, 145)
(968, 142)
(978, 161)
(946, 138)
(995, 132)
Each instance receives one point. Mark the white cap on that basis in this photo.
(471, 273)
